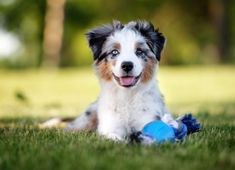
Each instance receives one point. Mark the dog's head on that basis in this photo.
(126, 54)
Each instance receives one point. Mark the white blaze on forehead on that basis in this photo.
(127, 39)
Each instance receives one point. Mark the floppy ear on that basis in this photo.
(155, 39)
(96, 39)
(98, 36)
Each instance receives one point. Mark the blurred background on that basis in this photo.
(46, 71)
(199, 56)
(35, 33)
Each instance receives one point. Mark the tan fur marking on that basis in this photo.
(148, 71)
(117, 46)
(137, 45)
(113, 62)
(104, 70)
(93, 122)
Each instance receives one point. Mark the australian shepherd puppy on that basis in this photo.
(126, 60)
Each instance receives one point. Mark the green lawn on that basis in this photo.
(30, 97)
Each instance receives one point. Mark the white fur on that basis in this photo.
(127, 38)
(120, 109)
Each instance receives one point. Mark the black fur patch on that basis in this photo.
(98, 36)
(88, 113)
(101, 57)
(155, 39)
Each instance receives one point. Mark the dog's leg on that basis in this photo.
(111, 126)
(86, 122)
(168, 119)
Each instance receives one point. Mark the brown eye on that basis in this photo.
(114, 53)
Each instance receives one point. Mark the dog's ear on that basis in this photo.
(96, 39)
(155, 39)
(98, 36)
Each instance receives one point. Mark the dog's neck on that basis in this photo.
(112, 89)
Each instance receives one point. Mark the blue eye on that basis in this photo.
(114, 53)
(140, 53)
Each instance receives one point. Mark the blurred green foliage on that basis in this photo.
(198, 32)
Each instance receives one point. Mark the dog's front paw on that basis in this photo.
(139, 138)
(114, 137)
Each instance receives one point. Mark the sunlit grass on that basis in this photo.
(199, 88)
(30, 97)
(69, 91)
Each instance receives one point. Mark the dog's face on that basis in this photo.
(126, 54)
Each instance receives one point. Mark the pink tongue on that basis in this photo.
(127, 81)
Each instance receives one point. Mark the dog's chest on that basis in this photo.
(133, 110)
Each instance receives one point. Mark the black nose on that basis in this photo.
(127, 66)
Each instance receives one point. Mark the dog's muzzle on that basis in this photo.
(126, 81)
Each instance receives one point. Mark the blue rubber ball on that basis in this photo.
(159, 131)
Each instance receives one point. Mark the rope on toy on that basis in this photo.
(191, 122)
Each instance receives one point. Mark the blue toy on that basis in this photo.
(160, 132)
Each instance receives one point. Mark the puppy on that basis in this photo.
(126, 60)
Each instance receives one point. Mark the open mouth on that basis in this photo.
(127, 81)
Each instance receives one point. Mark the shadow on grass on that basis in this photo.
(204, 117)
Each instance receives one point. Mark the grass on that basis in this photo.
(30, 97)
